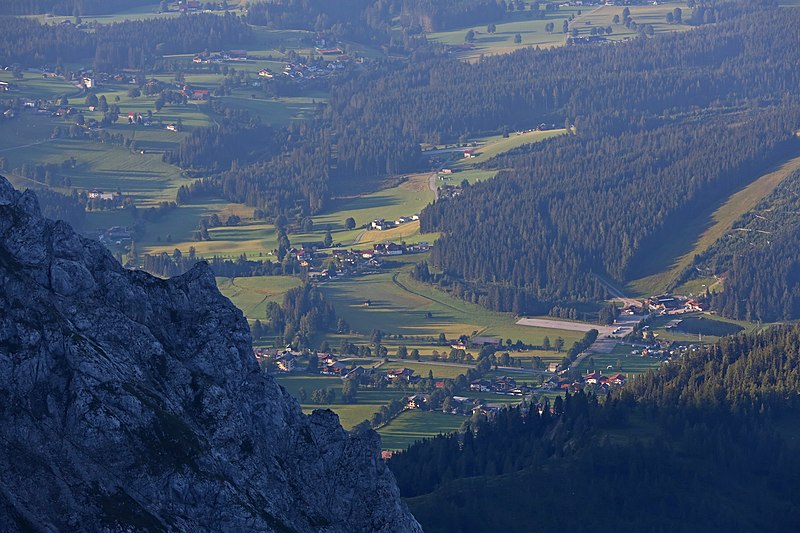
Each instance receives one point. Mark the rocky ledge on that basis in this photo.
(133, 403)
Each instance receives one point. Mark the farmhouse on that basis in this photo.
(4, 85)
(389, 248)
(88, 83)
(97, 194)
(504, 384)
(481, 385)
(478, 342)
(399, 374)
(265, 73)
(189, 5)
(200, 94)
(417, 401)
(335, 369)
(381, 224)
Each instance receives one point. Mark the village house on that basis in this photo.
(4, 86)
(381, 224)
(265, 73)
(504, 384)
(481, 385)
(97, 194)
(286, 363)
(356, 373)
(189, 5)
(479, 342)
(389, 248)
(335, 369)
(551, 384)
(399, 374)
(617, 379)
(417, 401)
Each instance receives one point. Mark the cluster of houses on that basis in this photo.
(221, 57)
(668, 304)
(302, 71)
(594, 379)
(353, 261)
(97, 194)
(450, 191)
(381, 224)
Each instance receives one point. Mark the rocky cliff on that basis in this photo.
(133, 403)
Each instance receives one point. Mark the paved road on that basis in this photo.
(510, 369)
(432, 185)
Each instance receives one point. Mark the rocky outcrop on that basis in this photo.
(131, 403)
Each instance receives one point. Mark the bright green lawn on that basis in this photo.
(399, 304)
(415, 425)
(621, 355)
(422, 369)
(368, 402)
(251, 294)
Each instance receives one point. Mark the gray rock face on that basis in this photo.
(132, 403)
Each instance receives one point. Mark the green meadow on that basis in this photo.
(252, 294)
(415, 425)
(400, 305)
(533, 33)
(368, 402)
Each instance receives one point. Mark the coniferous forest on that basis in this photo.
(705, 443)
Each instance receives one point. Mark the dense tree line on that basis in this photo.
(700, 435)
(365, 18)
(69, 208)
(439, 15)
(168, 265)
(122, 45)
(304, 313)
(214, 148)
(67, 7)
(576, 208)
(758, 260)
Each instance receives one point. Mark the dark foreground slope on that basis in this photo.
(127, 400)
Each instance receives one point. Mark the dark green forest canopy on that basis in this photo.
(759, 259)
(649, 148)
(122, 45)
(68, 7)
(705, 434)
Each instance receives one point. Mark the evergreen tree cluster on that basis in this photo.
(573, 208)
(121, 45)
(67, 7)
(703, 434)
(757, 259)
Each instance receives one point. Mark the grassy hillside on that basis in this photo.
(664, 263)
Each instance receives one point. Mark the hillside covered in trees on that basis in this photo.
(758, 259)
(706, 435)
(121, 45)
(67, 7)
(577, 207)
